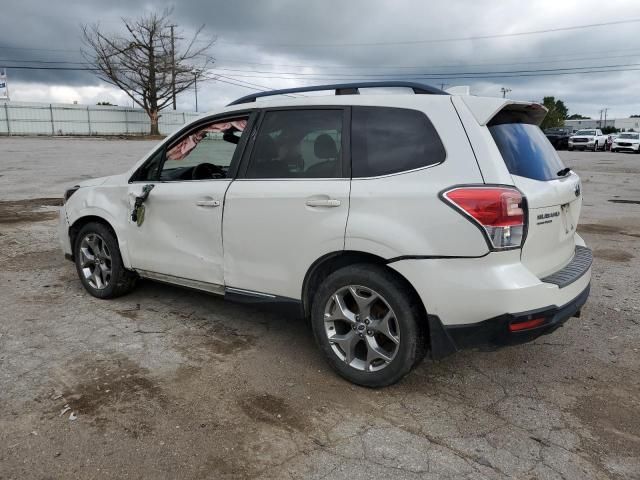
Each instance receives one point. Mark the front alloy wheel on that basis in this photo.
(99, 264)
(362, 328)
(95, 261)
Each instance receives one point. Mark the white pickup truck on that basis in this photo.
(588, 139)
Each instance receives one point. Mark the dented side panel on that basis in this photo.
(181, 234)
(107, 201)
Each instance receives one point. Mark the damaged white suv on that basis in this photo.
(399, 224)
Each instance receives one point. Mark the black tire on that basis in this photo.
(120, 280)
(595, 147)
(570, 149)
(409, 322)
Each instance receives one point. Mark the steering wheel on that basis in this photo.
(205, 171)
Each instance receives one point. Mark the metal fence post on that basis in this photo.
(53, 129)
(126, 121)
(184, 119)
(6, 114)
(89, 119)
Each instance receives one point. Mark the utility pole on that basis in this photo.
(600, 121)
(196, 72)
(605, 116)
(505, 91)
(173, 67)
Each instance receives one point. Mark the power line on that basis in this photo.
(388, 43)
(43, 61)
(406, 67)
(31, 67)
(349, 67)
(8, 47)
(338, 75)
(485, 75)
(424, 76)
(237, 84)
(261, 88)
(547, 59)
(560, 58)
(439, 40)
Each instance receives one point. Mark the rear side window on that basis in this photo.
(392, 140)
(298, 144)
(526, 151)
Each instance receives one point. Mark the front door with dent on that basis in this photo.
(181, 232)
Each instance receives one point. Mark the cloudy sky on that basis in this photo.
(286, 43)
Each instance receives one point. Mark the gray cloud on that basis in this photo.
(283, 32)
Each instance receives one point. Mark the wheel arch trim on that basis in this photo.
(333, 261)
(87, 215)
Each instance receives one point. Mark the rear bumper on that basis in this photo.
(460, 294)
(495, 332)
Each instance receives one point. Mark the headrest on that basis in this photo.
(325, 147)
(266, 149)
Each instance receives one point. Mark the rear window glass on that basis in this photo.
(391, 140)
(526, 151)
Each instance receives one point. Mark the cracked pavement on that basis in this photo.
(171, 383)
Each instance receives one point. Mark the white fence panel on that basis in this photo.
(4, 125)
(71, 120)
(108, 121)
(27, 118)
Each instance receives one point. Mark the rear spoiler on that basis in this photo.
(502, 110)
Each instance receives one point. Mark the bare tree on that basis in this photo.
(149, 63)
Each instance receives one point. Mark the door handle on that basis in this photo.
(324, 202)
(208, 203)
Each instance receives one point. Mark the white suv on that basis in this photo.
(399, 224)
(629, 141)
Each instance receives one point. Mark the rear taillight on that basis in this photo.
(499, 211)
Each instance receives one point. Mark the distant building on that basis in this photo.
(623, 124)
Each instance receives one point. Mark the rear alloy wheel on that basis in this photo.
(368, 325)
(99, 264)
(362, 328)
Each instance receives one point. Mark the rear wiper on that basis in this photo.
(564, 172)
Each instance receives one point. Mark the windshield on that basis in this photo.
(586, 132)
(526, 151)
(634, 136)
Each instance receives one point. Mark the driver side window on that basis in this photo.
(205, 153)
